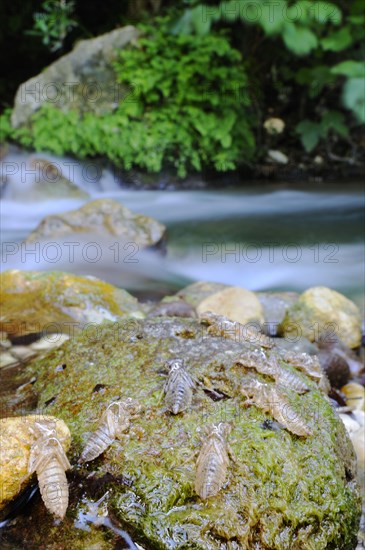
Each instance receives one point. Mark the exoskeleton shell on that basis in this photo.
(178, 388)
(218, 325)
(18, 436)
(49, 460)
(212, 463)
(114, 421)
(273, 400)
(270, 366)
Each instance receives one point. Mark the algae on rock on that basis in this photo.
(284, 492)
(33, 302)
(321, 310)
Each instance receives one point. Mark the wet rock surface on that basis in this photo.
(283, 491)
(49, 183)
(335, 367)
(102, 218)
(33, 302)
(332, 345)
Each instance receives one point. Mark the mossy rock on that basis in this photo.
(33, 302)
(321, 310)
(283, 491)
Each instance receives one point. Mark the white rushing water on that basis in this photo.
(260, 238)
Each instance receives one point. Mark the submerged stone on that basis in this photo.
(282, 492)
(49, 183)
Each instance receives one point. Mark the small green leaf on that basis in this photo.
(334, 120)
(350, 68)
(356, 19)
(337, 41)
(354, 97)
(299, 40)
(310, 134)
(315, 78)
(272, 17)
(226, 140)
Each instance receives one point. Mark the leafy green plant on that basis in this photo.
(321, 33)
(202, 117)
(175, 113)
(53, 23)
(312, 132)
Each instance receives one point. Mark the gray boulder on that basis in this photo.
(83, 79)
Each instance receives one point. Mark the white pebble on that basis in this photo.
(278, 157)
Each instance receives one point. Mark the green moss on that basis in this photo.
(59, 302)
(283, 492)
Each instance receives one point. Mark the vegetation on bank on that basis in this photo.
(174, 114)
(205, 77)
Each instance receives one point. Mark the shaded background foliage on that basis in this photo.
(302, 61)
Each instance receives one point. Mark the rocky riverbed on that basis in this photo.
(281, 489)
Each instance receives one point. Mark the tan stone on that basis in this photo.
(355, 395)
(16, 440)
(235, 303)
(319, 310)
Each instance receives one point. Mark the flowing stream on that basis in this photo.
(260, 236)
